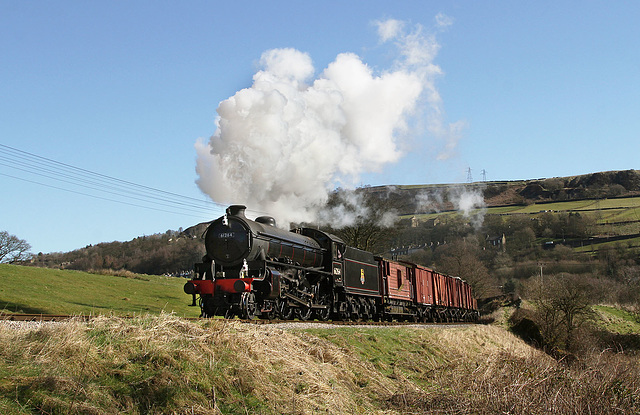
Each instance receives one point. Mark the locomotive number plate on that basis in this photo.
(225, 235)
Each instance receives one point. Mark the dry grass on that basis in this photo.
(506, 384)
(166, 365)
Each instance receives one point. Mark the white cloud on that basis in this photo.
(443, 21)
(389, 29)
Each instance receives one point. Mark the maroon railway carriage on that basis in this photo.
(417, 293)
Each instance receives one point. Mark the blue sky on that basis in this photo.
(125, 89)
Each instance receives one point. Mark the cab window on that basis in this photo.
(338, 251)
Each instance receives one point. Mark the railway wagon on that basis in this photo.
(415, 292)
(396, 281)
(425, 292)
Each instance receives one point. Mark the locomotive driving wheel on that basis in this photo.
(284, 310)
(304, 313)
(324, 314)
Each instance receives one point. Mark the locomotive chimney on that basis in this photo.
(236, 210)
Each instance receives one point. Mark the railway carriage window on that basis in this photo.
(399, 275)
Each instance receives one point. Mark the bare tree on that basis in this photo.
(462, 259)
(12, 248)
(563, 305)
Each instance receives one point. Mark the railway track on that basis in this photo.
(62, 317)
(42, 317)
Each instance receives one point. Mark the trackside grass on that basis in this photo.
(41, 290)
(167, 365)
(616, 320)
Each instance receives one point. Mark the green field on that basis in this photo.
(39, 290)
(616, 320)
(625, 207)
(611, 217)
(629, 205)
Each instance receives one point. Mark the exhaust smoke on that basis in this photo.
(283, 144)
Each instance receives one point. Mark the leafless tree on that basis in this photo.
(563, 305)
(462, 259)
(12, 248)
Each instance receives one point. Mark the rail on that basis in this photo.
(62, 317)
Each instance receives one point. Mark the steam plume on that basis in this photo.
(283, 144)
(468, 201)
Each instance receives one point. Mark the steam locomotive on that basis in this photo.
(254, 269)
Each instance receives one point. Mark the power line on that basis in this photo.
(97, 186)
(94, 196)
(88, 173)
(87, 180)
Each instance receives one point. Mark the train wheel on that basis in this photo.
(284, 311)
(365, 311)
(248, 306)
(267, 312)
(355, 310)
(344, 311)
(304, 313)
(323, 314)
(206, 306)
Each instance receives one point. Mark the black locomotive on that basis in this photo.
(253, 269)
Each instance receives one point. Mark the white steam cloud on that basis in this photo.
(468, 201)
(283, 144)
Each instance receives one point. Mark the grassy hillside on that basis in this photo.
(609, 221)
(159, 363)
(153, 365)
(41, 290)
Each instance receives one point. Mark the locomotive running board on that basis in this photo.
(316, 269)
